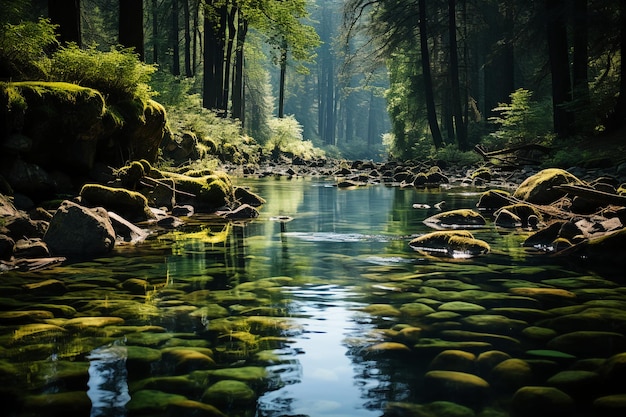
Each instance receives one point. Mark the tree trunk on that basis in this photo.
(174, 41)
(232, 32)
(559, 65)
(619, 114)
(428, 82)
(281, 87)
(457, 107)
(209, 95)
(66, 14)
(196, 34)
(131, 25)
(187, 18)
(499, 81)
(220, 81)
(238, 102)
(155, 32)
(581, 55)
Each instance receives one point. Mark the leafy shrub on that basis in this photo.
(23, 50)
(286, 137)
(118, 73)
(522, 121)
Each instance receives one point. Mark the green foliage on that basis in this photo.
(215, 134)
(522, 121)
(118, 74)
(23, 50)
(286, 137)
(450, 153)
(172, 90)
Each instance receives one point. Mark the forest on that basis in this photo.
(369, 79)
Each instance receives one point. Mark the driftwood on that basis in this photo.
(510, 155)
(591, 194)
(154, 182)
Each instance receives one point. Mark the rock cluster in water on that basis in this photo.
(105, 214)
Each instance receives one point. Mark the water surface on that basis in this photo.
(297, 305)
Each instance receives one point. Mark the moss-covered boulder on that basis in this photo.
(454, 219)
(61, 122)
(129, 204)
(542, 188)
(229, 392)
(493, 199)
(522, 211)
(452, 243)
(204, 193)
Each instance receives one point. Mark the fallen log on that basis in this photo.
(592, 194)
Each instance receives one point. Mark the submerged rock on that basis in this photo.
(455, 244)
(455, 219)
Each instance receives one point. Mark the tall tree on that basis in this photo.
(131, 25)
(559, 65)
(187, 20)
(174, 38)
(457, 110)
(66, 14)
(426, 74)
(581, 55)
(155, 32)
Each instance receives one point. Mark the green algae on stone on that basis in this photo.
(455, 219)
(456, 244)
(57, 404)
(381, 310)
(542, 187)
(538, 401)
(229, 392)
(127, 203)
(151, 402)
(460, 387)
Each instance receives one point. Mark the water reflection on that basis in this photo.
(108, 387)
(320, 382)
(305, 301)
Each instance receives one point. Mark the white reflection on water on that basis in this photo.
(108, 387)
(321, 382)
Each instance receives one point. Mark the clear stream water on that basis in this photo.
(294, 305)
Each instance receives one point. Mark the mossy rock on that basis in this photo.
(542, 188)
(450, 243)
(207, 193)
(455, 219)
(129, 204)
(493, 200)
(229, 392)
(521, 210)
(152, 402)
(63, 121)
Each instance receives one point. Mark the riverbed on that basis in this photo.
(317, 308)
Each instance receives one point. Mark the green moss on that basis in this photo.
(209, 191)
(456, 218)
(493, 199)
(542, 188)
(456, 243)
(523, 211)
(129, 204)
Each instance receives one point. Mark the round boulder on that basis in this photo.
(542, 188)
(534, 401)
(459, 387)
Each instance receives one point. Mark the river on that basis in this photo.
(317, 308)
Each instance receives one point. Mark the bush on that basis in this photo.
(286, 137)
(118, 74)
(523, 121)
(23, 50)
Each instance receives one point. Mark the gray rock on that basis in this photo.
(79, 231)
